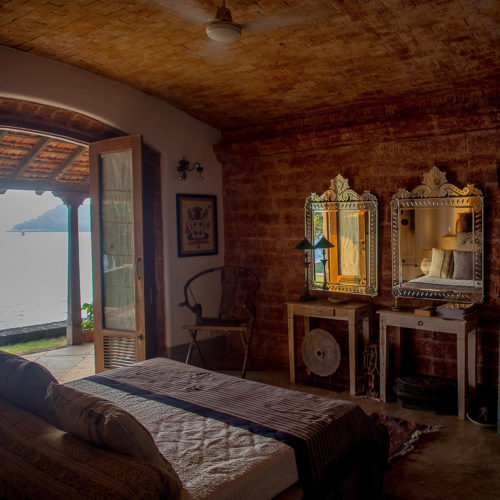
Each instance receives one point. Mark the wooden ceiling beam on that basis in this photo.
(26, 162)
(17, 147)
(29, 185)
(66, 164)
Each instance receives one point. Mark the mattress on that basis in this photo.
(230, 438)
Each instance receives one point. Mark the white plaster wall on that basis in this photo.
(171, 132)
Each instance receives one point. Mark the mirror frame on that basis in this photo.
(340, 196)
(435, 192)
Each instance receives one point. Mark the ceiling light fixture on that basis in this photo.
(222, 29)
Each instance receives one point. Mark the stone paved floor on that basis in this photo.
(460, 462)
(67, 363)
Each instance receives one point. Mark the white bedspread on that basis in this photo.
(213, 459)
(230, 438)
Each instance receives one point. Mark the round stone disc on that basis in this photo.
(321, 352)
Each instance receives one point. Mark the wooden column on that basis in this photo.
(73, 200)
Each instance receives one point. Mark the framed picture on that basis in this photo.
(196, 225)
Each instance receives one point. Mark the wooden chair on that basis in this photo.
(236, 287)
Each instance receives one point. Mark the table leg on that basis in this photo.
(471, 342)
(291, 343)
(397, 350)
(383, 360)
(307, 325)
(366, 332)
(353, 352)
(461, 372)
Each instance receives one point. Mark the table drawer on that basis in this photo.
(315, 311)
(431, 323)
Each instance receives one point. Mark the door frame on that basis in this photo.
(65, 123)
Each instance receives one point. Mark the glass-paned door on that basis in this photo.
(117, 251)
(117, 246)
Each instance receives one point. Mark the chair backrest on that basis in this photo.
(235, 288)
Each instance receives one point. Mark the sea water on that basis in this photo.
(34, 277)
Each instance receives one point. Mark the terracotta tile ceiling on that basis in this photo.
(294, 57)
(34, 162)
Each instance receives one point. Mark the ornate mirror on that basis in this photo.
(437, 241)
(342, 225)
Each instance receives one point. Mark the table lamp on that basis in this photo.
(306, 245)
(323, 244)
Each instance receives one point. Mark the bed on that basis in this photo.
(432, 283)
(229, 438)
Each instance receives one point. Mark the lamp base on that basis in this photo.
(307, 297)
(337, 300)
(397, 306)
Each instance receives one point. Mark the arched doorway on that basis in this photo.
(37, 162)
(52, 127)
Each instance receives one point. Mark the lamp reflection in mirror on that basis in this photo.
(323, 244)
(306, 245)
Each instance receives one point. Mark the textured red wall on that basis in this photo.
(269, 172)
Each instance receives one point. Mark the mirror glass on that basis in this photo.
(437, 241)
(348, 221)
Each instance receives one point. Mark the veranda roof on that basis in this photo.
(42, 163)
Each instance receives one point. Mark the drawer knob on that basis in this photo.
(420, 323)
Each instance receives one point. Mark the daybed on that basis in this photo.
(219, 437)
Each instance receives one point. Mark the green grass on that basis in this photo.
(33, 345)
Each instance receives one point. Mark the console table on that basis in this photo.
(465, 331)
(357, 315)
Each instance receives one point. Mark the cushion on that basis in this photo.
(463, 265)
(25, 384)
(105, 424)
(441, 263)
(43, 462)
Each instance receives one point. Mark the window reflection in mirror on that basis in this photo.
(349, 222)
(345, 229)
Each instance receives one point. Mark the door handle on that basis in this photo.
(138, 270)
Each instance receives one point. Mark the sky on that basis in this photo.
(19, 206)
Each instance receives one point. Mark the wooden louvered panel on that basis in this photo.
(118, 351)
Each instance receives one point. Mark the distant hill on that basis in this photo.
(56, 220)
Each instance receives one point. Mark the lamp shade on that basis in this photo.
(305, 244)
(323, 243)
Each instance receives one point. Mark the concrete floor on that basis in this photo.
(461, 462)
